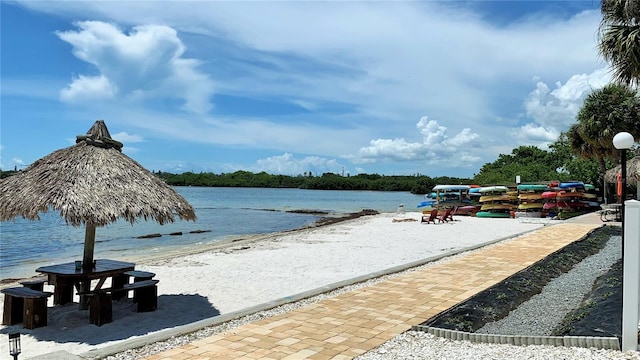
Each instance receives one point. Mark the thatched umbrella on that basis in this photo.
(91, 183)
(633, 173)
(633, 170)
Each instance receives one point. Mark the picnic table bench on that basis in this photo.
(145, 294)
(139, 276)
(611, 213)
(101, 305)
(22, 304)
(34, 284)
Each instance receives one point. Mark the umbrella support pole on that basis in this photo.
(87, 263)
(89, 244)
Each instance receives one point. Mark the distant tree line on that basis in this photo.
(532, 164)
(4, 174)
(418, 184)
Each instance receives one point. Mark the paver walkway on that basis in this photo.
(355, 322)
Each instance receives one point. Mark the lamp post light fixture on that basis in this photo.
(14, 345)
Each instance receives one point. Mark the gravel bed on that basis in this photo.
(544, 311)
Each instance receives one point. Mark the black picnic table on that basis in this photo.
(64, 277)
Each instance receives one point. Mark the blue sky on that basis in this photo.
(394, 88)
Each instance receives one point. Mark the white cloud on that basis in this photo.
(288, 164)
(125, 137)
(15, 163)
(432, 132)
(18, 162)
(463, 138)
(558, 107)
(181, 167)
(305, 104)
(84, 88)
(553, 111)
(130, 150)
(146, 62)
(382, 69)
(436, 147)
(538, 135)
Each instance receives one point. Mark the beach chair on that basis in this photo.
(446, 216)
(450, 217)
(431, 217)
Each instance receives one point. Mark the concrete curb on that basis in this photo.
(611, 343)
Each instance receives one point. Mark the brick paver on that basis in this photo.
(355, 322)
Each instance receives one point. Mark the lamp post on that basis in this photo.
(623, 141)
(14, 345)
(630, 267)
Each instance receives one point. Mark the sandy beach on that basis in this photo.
(237, 275)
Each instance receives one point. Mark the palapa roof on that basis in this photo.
(633, 171)
(91, 182)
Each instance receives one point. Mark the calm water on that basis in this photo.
(25, 245)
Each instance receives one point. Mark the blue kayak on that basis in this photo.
(568, 185)
(426, 203)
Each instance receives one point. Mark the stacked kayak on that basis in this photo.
(429, 200)
(530, 200)
(591, 197)
(495, 202)
(474, 205)
(451, 196)
(558, 200)
(550, 201)
(569, 199)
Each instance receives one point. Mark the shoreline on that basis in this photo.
(226, 241)
(243, 273)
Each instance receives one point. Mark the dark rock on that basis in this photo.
(149, 236)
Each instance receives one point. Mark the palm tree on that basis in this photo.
(605, 112)
(583, 148)
(619, 37)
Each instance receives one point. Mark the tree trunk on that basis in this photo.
(603, 169)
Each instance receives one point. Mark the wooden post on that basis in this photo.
(87, 262)
(100, 309)
(35, 312)
(12, 310)
(89, 244)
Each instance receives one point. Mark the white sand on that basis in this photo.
(247, 273)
